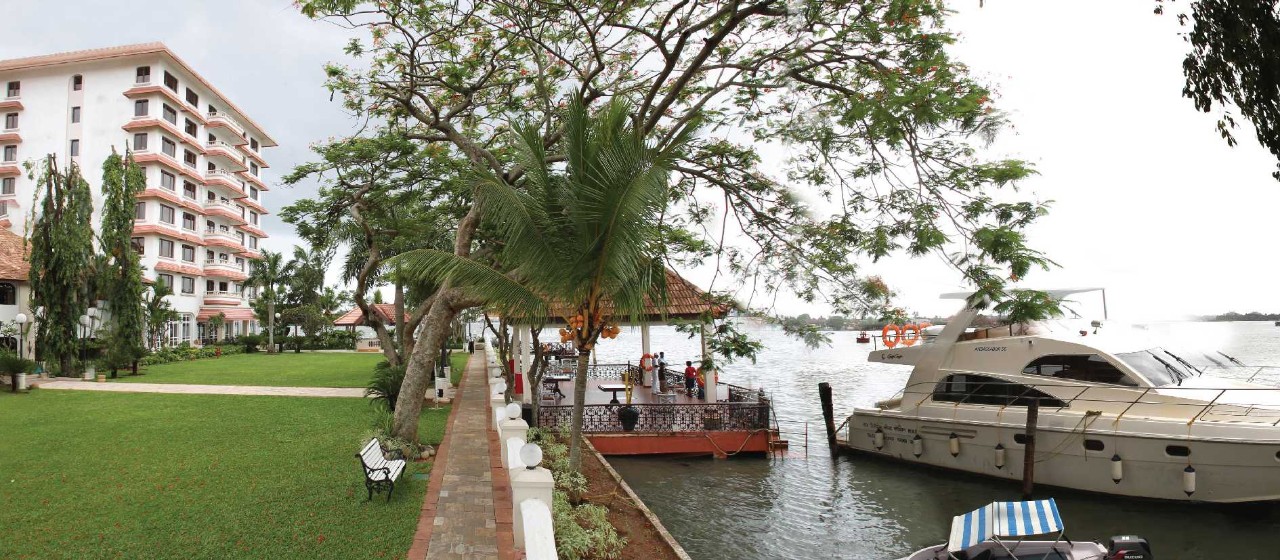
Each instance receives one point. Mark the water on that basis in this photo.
(858, 507)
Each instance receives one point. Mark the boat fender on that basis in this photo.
(954, 444)
(1000, 455)
(917, 446)
(913, 331)
(878, 439)
(897, 335)
(1117, 468)
(1189, 480)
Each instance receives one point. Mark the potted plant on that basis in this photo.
(628, 415)
(17, 368)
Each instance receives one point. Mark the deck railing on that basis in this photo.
(662, 418)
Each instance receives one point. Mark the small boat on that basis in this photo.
(998, 531)
(863, 338)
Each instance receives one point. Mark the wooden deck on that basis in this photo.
(639, 394)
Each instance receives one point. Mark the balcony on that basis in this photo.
(226, 179)
(223, 208)
(220, 238)
(233, 128)
(212, 265)
(226, 155)
(223, 297)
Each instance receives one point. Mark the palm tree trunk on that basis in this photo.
(579, 400)
(271, 326)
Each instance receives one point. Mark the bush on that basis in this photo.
(251, 342)
(185, 352)
(582, 531)
(334, 339)
(11, 364)
(385, 385)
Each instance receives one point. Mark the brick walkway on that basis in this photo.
(203, 389)
(458, 518)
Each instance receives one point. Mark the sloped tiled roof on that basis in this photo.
(13, 256)
(356, 316)
(684, 301)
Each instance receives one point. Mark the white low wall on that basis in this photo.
(531, 488)
(539, 536)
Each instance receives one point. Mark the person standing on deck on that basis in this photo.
(662, 372)
(690, 378)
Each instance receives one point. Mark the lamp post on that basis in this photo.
(271, 331)
(84, 334)
(21, 320)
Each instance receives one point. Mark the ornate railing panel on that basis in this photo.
(662, 417)
(618, 372)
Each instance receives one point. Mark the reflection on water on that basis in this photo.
(863, 508)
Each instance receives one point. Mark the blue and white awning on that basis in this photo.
(1004, 519)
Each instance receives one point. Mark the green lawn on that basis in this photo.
(121, 475)
(308, 369)
(457, 364)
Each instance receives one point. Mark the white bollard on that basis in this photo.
(530, 485)
(508, 430)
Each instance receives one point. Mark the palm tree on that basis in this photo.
(584, 239)
(267, 273)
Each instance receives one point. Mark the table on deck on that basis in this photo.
(555, 379)
(613, 388)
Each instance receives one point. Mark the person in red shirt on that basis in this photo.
(690, 378)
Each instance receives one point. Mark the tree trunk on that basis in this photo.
(271, 325)
(420, 370)
(579, 400)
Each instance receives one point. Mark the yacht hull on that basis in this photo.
(1077, 451)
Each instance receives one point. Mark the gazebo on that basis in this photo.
(355, 321)
(726, 420)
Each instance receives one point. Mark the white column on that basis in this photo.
(710, 375)
(532, 485)
(644, 349)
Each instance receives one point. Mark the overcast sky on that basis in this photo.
(1149, 202)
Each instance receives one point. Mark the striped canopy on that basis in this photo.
(1004, 519)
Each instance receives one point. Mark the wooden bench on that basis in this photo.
(379, 472)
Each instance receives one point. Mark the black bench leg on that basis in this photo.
(369, 487)
(390, 489)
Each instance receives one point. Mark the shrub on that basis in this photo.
(385, 385)
(582, 531)
(251, 342)
(11, 364)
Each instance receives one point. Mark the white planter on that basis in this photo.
(22, 382)
(89, 372)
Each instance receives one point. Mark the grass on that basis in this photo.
(308, 369)
(457, 365)
(123, 475)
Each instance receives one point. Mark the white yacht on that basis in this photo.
(1118, 414)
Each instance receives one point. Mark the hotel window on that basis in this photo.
(240, 263)
(211, 167)
(8, 294)
(170, 81)
(188, 253)
(186, 326)
(188, 285)
(143, 75)
(189, 222)
(193, 99)
(169, 114)
(222, 287)
(10, 153)
(14, 89)
(166, 214)
(4, 208)
(169, 147)
(140, 211)
(253, 168)
(140, 142)
(208, 225)
(167, 180)
(191, 129)
(11, 121)
(166, 250)
(253, 242)
(240, 236)
(241, 209)
(6, 185)
(253, 144)
(189, 158)
(138, 245)
(208, 284)
(77, 82)
(253, 217)
(75, 148)
(213, 110)
(75, 115)
(253, 193)
(166, 279)
(141, 108)
(189, 191)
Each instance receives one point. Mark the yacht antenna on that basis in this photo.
(1237, 362)
(1104, 305)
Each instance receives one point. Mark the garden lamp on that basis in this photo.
(21, 320)
(530, 455)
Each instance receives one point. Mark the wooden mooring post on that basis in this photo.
(1029, 450)
(828, 413)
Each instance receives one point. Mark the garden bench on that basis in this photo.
(379, 472)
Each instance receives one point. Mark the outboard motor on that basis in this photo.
(1128, 547)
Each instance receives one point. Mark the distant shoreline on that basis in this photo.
(1250, 316)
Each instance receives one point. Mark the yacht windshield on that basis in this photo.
(1162, 368)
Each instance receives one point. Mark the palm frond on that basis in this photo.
(500, 292)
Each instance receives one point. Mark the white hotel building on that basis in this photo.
(198, 225)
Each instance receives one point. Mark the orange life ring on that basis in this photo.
(914, 331)
(897, 335)
(646, 362)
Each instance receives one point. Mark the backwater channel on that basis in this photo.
(858, 507)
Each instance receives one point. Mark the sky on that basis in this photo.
(1149, 202)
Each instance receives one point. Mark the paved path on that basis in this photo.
(458, 517)
(203, 389)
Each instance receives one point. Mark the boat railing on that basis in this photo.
(1253, 405)
(662, 418)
